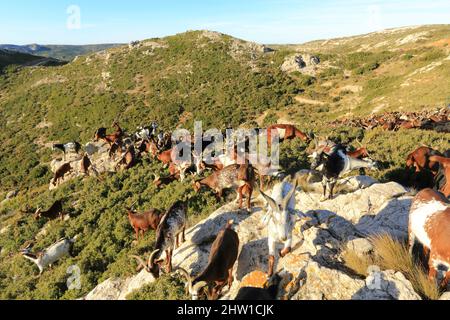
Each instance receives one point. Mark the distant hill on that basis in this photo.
(61, 52)
(8, 58)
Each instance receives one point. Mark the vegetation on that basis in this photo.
(391, 254)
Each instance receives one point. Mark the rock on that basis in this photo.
(255, 279)
(445, 296)
(107, 290)
(303, 63)
(11, 194)
(327, 284)
(386, 285)
(360, 246)
(119, 289)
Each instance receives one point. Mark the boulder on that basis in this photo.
(327, 284)
(360, 246)
(386, 285)
(303, 63)
(445, 296)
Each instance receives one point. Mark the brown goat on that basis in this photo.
(165, 157)
(429, 223)
(360, 153)
(55, 211)
(142, 222)
(61, 172)
(420, 159)
(111, 138)
(445, 162)
(239, 177)
(128, 159)
(286, 132)
(219, 271)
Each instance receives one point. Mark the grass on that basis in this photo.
(391, 254)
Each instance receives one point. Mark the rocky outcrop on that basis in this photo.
(303, 63)
(386, 285)
(98, 153)
(313, 270)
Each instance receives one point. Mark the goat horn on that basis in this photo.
(132, 205)
(151, 259)
(289, 195)
(268, 199)
(140, 261)
(185, 274)
(199, 285)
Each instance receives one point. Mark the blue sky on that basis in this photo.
(263, 21)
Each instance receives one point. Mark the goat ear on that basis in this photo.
(290, 194)
(272, 203)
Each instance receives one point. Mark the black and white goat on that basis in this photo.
(281, 217)
(145, 133)
(170, 229)
(332, 161)
(71, 147)
(49, 256)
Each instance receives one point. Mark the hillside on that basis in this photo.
(60, 52)
(199, 75)
(11, 58)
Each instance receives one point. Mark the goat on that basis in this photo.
(61, 172)
(219, 270)
(239, 177)
(49, 256)
(171, 227)
(128, 159)
(280, 218)
(429, 223)
(360, 153)
(445, 163)
(112, 138)
(420, 159)
(142, 222)
(334, 162)
(285, 132)
(159, 182)
(74, 147)
(55, 211)
(268, 293)
(165, 156)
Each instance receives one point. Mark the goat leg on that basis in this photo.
(230, 278)
(285, 252)
(183, 238)
(169, 261)
(249, 199)
(271, 265)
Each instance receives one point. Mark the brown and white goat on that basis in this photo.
(55, 211)
(49, 256)
(219, 271)
(285, 132)
(239, 177)
(360, 153)
(429, 223)
(170, 230)
(61, 172)
(142, 222)
(445, 163)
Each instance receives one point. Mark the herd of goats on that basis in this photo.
(429, 222)
(426, 120)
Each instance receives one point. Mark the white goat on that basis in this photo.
(49, 256)
(280, 218)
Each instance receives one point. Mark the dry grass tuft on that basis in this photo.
(391, 254)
